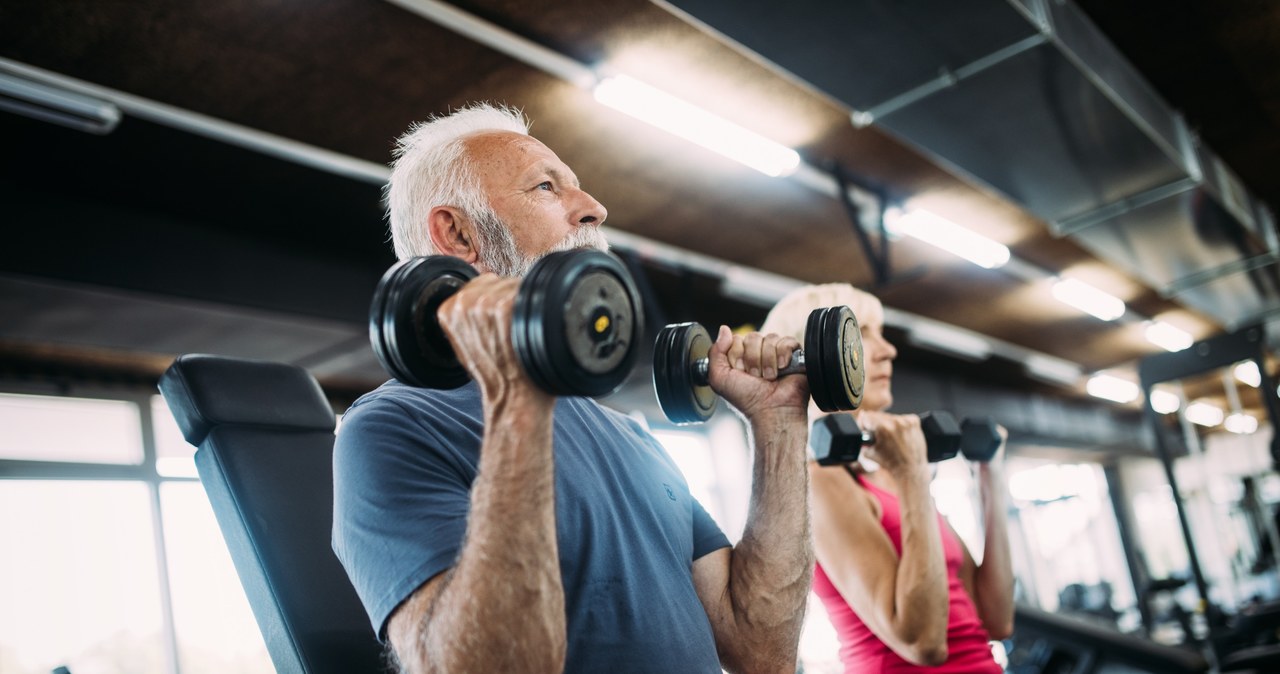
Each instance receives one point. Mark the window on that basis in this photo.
(44, 428)
(112, 559)
(1066, 547)
(78, 577)
(215, 628)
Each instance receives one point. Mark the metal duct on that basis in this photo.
(1029, 98)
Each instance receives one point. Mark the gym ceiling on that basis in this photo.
(235, 206)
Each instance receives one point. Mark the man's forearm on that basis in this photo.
(772, 565)
(993, 579)
(501, 608)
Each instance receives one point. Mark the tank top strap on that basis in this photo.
(880, 492)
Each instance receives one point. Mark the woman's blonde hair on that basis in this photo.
(788, 317)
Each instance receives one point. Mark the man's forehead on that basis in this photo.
(507, 146)
(514, 152)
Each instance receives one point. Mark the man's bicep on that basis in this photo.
(711, 582)
(711, 555)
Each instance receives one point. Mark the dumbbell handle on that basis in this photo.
(702, 368)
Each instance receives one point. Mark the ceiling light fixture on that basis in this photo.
(942, 233)
(1164, 402)
(1241, 423)
(1247, 373)
(1110, 387)
(1203, 413)
(1088, 299)
(57, 106)
(696, 125)
(1167, 337)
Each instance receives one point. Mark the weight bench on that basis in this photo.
(1048, 642)
(265, 438)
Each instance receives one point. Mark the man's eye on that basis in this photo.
(545, 185)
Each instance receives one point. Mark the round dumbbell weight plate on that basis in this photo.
(833, 359)
(683, 398)
(403, 328)
(577, 319)
(594, 321)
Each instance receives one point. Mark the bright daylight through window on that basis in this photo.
(113, 562)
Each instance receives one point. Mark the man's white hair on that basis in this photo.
(431, 169)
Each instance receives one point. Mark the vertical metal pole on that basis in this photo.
(1203, 468)
(1162, 450)
(1138, 573)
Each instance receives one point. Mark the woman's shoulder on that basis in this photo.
(839, 488)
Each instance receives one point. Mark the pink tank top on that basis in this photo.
(860, 649)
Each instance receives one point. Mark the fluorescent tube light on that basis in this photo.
(1241, 423)
(1112, 388)
(1167, 337)
(57, 106)
(1164, 402)
(696, 125)
(1088, 299)
(939, 337)
(1203, 414)
(1052, 370)
(942, 233)
(1247, 373)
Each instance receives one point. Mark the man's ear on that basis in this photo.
(451, 234)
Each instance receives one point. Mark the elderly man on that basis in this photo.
(494, 528)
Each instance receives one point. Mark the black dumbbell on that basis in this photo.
(831, 359)
(837, 439)
(981, 438)
(577, 319)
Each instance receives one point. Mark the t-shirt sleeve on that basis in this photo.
(707, 536)
(401, 496)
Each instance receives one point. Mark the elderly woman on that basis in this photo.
(901, 589)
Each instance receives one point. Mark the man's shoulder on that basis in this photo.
(591, 411)
(396, 418)
(397, 395)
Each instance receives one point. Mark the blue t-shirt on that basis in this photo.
(627, 526)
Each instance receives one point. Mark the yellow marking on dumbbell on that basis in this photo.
(602, 324)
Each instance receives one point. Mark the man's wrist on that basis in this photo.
(515, 400)
(778, 418)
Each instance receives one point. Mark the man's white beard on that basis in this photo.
(498, 252)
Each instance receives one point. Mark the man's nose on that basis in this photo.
(590, 211)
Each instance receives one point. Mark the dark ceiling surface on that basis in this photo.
(152, 241)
